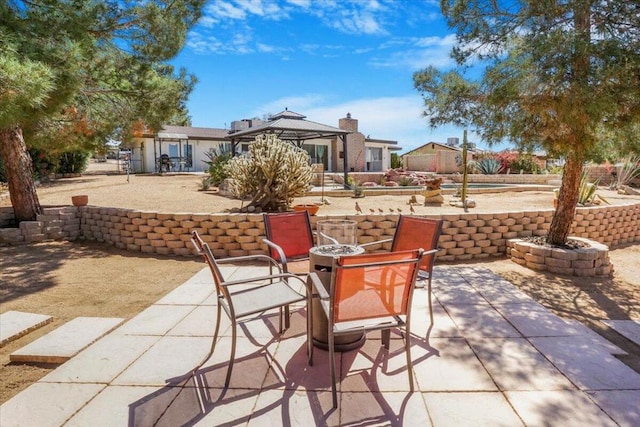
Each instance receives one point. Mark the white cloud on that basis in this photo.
(392, 118)
(418, 54)
(220, 9)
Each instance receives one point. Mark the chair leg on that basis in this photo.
(213, 343)
(386, 337)
(407, 349)
(309, 332)
(287, 317)
(232, 355)
(430, 299)
(332, 368)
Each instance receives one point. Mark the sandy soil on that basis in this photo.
(179, 193)
(71, 279)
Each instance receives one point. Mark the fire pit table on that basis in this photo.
(321, 262)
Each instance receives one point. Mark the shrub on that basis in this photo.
(73, 162)
(515, 162)
(218, 159)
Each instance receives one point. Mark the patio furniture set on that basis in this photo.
(347, 292)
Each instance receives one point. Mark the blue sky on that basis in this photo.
(320, 58)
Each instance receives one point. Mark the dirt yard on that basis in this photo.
(71, 279)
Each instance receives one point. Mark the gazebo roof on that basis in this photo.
(289, 126)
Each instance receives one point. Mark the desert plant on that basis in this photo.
(489, 166)
(205, 184)
(355, 186)
(627, 170)
(272, 173)
(587, 192)
(405, 181)
(218, 158)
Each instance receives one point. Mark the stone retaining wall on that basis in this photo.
(465, 236)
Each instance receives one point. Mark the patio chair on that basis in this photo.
(368, 292)
(415, 232)
(289, 238)
(250, 296)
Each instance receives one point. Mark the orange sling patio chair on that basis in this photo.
(368, 292)
(289, 238)
(417, 232)
(250, 296)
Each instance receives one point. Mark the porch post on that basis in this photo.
(344, 161)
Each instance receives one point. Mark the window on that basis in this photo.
(373, 159)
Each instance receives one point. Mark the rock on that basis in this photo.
(628, 190)
(431, 193)
(437, 200)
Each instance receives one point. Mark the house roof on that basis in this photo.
(393, 145)
(188, 132)
(289, 126)
(440, 145)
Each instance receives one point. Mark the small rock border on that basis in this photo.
(585, 258)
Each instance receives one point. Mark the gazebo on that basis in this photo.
(292, 127)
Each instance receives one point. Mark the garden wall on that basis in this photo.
(465, 236)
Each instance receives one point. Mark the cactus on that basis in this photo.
(272, 174)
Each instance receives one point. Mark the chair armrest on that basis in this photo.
(364, 245)
(250, 280)
(266, 258)
(431, 251)
(277, 248)
(318, 286)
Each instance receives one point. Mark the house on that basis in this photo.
(183, 149)
(437, 157)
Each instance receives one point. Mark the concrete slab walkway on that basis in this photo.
(493, 357)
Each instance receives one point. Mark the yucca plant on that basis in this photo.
(587, 193)
(627, 170)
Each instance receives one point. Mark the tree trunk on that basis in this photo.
(19, 172)
(567, 201)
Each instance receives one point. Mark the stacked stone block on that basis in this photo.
(588, 262)
(57, 223)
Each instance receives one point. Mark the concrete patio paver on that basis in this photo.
(480, 409)
(566, 408)
(66, 341)
(492, 358)
(14, 324)
(616, 404)
(46, 404)
(589, 367)
(628, 328)
(102, 361)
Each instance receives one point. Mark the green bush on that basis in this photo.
(72, 162)
(218, 159)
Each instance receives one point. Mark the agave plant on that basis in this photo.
(587, 193)
(489, 166)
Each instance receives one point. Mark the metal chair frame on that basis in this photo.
(263, 294)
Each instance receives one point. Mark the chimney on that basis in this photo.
(348, 123)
